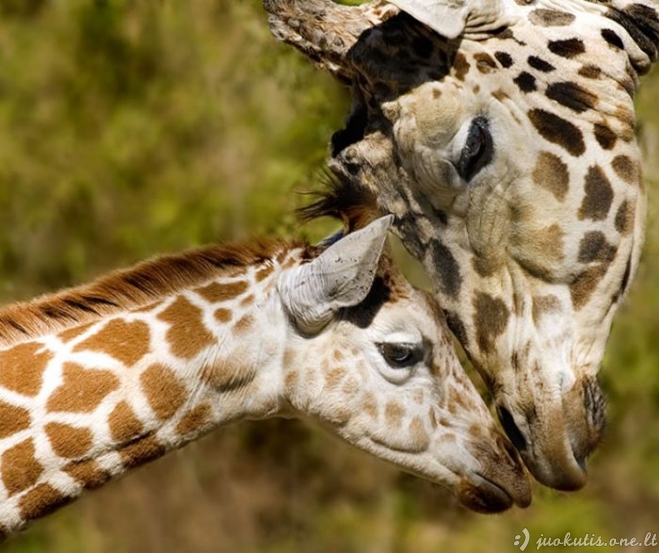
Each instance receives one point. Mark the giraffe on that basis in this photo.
(102, 378)
(500, 133)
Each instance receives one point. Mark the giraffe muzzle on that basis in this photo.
(485, 495)
(546, 448)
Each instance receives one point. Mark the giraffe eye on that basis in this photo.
(399, 355)
(477, 151)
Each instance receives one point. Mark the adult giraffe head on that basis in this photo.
(501, 135)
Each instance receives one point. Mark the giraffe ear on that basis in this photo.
(339, 277)
(450, 18)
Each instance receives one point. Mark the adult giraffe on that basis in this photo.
(501, 135)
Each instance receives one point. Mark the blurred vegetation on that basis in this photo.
(130, 128)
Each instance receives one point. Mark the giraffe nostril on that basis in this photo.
(514, 433)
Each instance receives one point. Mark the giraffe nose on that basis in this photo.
(512, 431)
(546, 449)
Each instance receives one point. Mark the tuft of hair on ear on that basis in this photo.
(342, 199)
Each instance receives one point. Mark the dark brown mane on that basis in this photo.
(340, 199)
(131, 288)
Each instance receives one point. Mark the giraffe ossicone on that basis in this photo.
(500, 133)
(99, 379)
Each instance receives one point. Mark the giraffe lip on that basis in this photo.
(482, 495)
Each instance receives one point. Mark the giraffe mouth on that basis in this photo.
(483, 495)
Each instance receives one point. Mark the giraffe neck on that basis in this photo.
(81, 405)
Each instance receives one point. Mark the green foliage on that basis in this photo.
(132, 128)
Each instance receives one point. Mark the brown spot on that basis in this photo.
(337, 355)
(456, 326)
(231, 372)
(247, 301)
(243, 324)
(584, 285)
(599, 195)
(539, 250)
(187, 335)
(20, 469)
(124, 424)
(41, 501)
(605, 136)
(558, 131)
(540, 64)
(460, 66)
(72, 333)
(550, 18)
(291, 380)
(590, 72)
(13, 419)
(625, 217)
(500, 95)
(432, 418)
(626, 169)
(552, 174)
(525, 82)
(484, 62)
(504, 58)
(475, 431)
(419, 440)
(82, 390)
(450, 279)
(418, 396)
(194, 420)
(627, 120)
(23, 367)
(87, 473)
(393, 413)
(216, 292)
(569, 48)
(222, 315)
(350, 387)
(612, 38)
(572, 96)
(163, 390)
(126, 341)
(544, 304)
(264, 272)
(548, 242)
(594, 247)
(370, 405)
(436, 93)
(140, 452)
(334, 377)
(68, 441)
(490, 319)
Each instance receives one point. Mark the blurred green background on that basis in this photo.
(129, 128)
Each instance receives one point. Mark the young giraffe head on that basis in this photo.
(501, 135)
(102, 378)
(371, 358)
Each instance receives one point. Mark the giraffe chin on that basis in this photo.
(482, 495)
(570, 476)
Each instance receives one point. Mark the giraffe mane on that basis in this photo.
(133, 287)
(342, 199)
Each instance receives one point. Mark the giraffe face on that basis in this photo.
(381, 373)
(509, 159)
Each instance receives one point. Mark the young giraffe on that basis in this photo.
(501, 135)
(99, 379)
